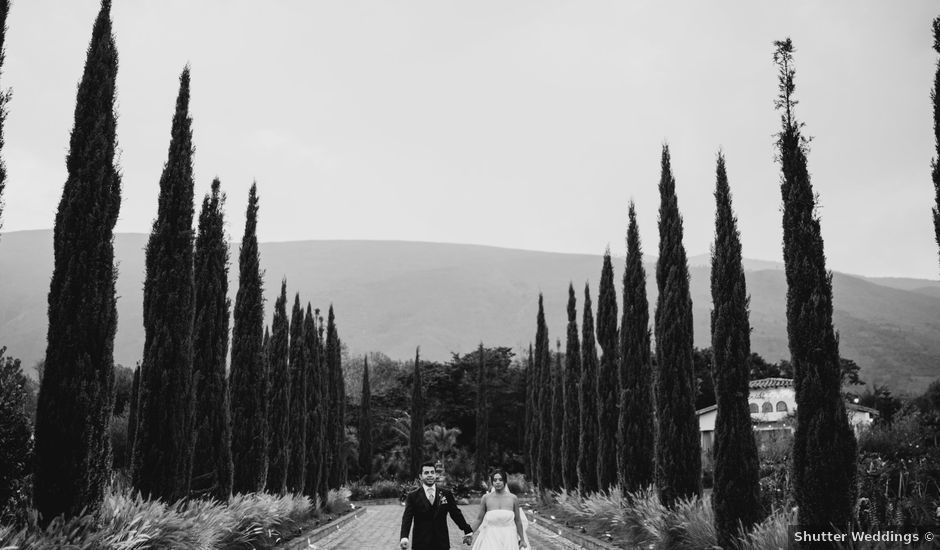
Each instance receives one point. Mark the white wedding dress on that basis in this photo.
(498, 531)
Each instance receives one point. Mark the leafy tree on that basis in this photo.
(73, 451)
(481, 455)
(162, 464)
(587, 401)
(702, 368)
(572, 410)
(848, 372)
(132, 415)
(736, 496)
(279, 397)
(608, 385)
(249, 378)
(16, 444)
(296, 474)
(880, 399)
(417, 417)
(123, 382)
(635, 442)
(365, 425)
(678, 445)
(212, 458)
(543, 365)
(935, 164)
(823, 472)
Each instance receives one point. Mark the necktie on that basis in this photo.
(431, 496)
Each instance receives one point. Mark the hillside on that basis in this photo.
(393, 296)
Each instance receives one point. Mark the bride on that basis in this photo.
(501, 524)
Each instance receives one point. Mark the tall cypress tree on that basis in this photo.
(297, 464)
(587, 401)
(635, 444)
(212, 458)
(608, 385)
(162, 465)
(558, 419)
(4, 99)
(337, 427)
(325, 408)
(823, 445)
(279, 396)
(543, 365)
(572, 409)
(678, 444)
(736, 497)
(416, 441)
(531, 418)
(481, 457)
(365, 424)
(935, 165)
(73, 448)
(249, 379)
(314, 405)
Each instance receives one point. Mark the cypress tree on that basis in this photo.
(572, 409)
(823, 445)
(73, 448)
(279, 398)
(212, 458)
(635, 450)
(132, 414)
(678, 444)
(162, 465)
(587, 401)
(365, 425)
(4, 99)
(337, 428)
(314, 470)
(249, 378)
(296, 473)
(531, 419)
(736, 497)
(935, 165)
(543, 365)
(325, 409)
(608, 385)
(558, 419)
(481, 457)
(416, 441)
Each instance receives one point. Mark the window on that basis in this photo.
(781, 407)
(754, 408)
(767, 407)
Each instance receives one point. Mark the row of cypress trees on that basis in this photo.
(635, 417)
(193, 430)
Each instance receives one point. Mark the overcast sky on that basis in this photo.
(522, 124)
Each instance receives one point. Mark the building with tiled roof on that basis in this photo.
(773, 412)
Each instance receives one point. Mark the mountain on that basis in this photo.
(392, 296)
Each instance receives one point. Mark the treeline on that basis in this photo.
(274, 421)
(634, 410)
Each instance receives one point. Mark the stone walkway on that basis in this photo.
(378, 529)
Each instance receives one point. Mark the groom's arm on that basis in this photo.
(457, 516)
(407, 517)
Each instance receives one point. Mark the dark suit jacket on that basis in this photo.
(430, 519)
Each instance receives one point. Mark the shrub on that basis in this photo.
(127, 522)
(337, 500)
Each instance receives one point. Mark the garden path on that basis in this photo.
(378, 529)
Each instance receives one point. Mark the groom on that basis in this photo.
(428, 507)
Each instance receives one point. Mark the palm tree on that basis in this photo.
(442, 440)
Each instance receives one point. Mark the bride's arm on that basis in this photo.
(516, 512)
(482, 512)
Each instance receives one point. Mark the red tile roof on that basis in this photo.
(764, 383)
